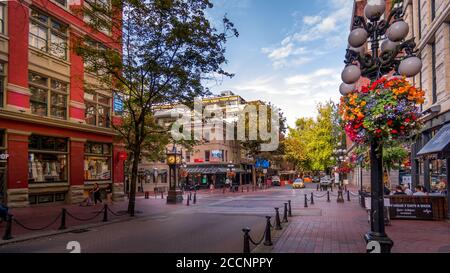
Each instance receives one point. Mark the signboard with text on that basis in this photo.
(419, 211)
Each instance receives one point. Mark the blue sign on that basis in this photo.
(118, 104)
(262, 163)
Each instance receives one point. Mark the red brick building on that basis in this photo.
(56, 139)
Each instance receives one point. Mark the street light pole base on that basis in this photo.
(383, 240)
(174, 197)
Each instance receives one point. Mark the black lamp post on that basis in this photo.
(174, 195)
(394, 54)
(339, 153)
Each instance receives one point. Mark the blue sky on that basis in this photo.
(289, 52)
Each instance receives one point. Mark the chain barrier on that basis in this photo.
(318, 196)
(117, 214)
(86, 219)
(37, 229)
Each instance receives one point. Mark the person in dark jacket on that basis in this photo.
(399, 191)
(386, 190)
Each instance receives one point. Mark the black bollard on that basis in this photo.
(328, 196)
(63, 219)
(105, 213)
(248, 189)
(277, 220)
(190, 195)
(306, 201)
(246, 240)
(290, 209)
(195, 197)
(317, 189)
(7, 235)
(312, 199)
(162, 195)
(268, 237)
(242, 188)
(187, 203)
(348, 196)
(285, 218)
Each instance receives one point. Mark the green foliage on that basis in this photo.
(310, 145)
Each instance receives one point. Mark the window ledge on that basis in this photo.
(48, 55)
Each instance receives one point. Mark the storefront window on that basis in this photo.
(47, 159)
(438, 171)
(97, 161)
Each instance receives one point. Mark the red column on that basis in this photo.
(17, 193)
(18, 28)
(76, 109)
(76, 192)
(76, 162)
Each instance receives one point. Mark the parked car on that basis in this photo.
(316, 179)
(325, 182)
(276, 180)
(307, 179)
(298, 184)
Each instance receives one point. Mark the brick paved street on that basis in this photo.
(214, 225)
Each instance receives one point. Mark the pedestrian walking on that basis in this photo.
(96, 192)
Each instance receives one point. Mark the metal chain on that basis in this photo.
(260, 241)
(320, 196)
(85, 219)
(117, 214)
(37, 229)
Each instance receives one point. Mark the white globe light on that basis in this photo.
(398, 31)
(374, 9)
(346, 88)
(410, 66)
(388, 45)
(357, 37)
(351, 74)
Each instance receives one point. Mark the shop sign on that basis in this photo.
(423, 211)
(4, 156)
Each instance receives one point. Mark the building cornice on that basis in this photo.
(77, 104)
(12, 115)
(18, 89)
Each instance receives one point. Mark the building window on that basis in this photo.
(206, 156)
(98, 109)
(47, 159)
(97, 161)
(433, 64)
(48, 34)
(2, 17)
(102, 22)
(2, 84)
(48, 96)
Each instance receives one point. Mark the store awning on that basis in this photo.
(439, 144)
(210, 170)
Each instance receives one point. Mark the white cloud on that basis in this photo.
(311, 20)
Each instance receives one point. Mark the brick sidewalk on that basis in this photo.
(341, 226)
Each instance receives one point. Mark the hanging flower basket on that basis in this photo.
(345, 167)
(384, 109)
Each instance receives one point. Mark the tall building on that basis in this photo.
(56, 139)
(215, 156)
(428, 22)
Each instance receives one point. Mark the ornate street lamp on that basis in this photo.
(174, 196)
(395, 54)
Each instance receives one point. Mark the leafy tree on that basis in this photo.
(169, 47)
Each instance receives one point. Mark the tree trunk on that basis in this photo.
(134, 174)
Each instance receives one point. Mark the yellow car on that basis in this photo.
(298, 184)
